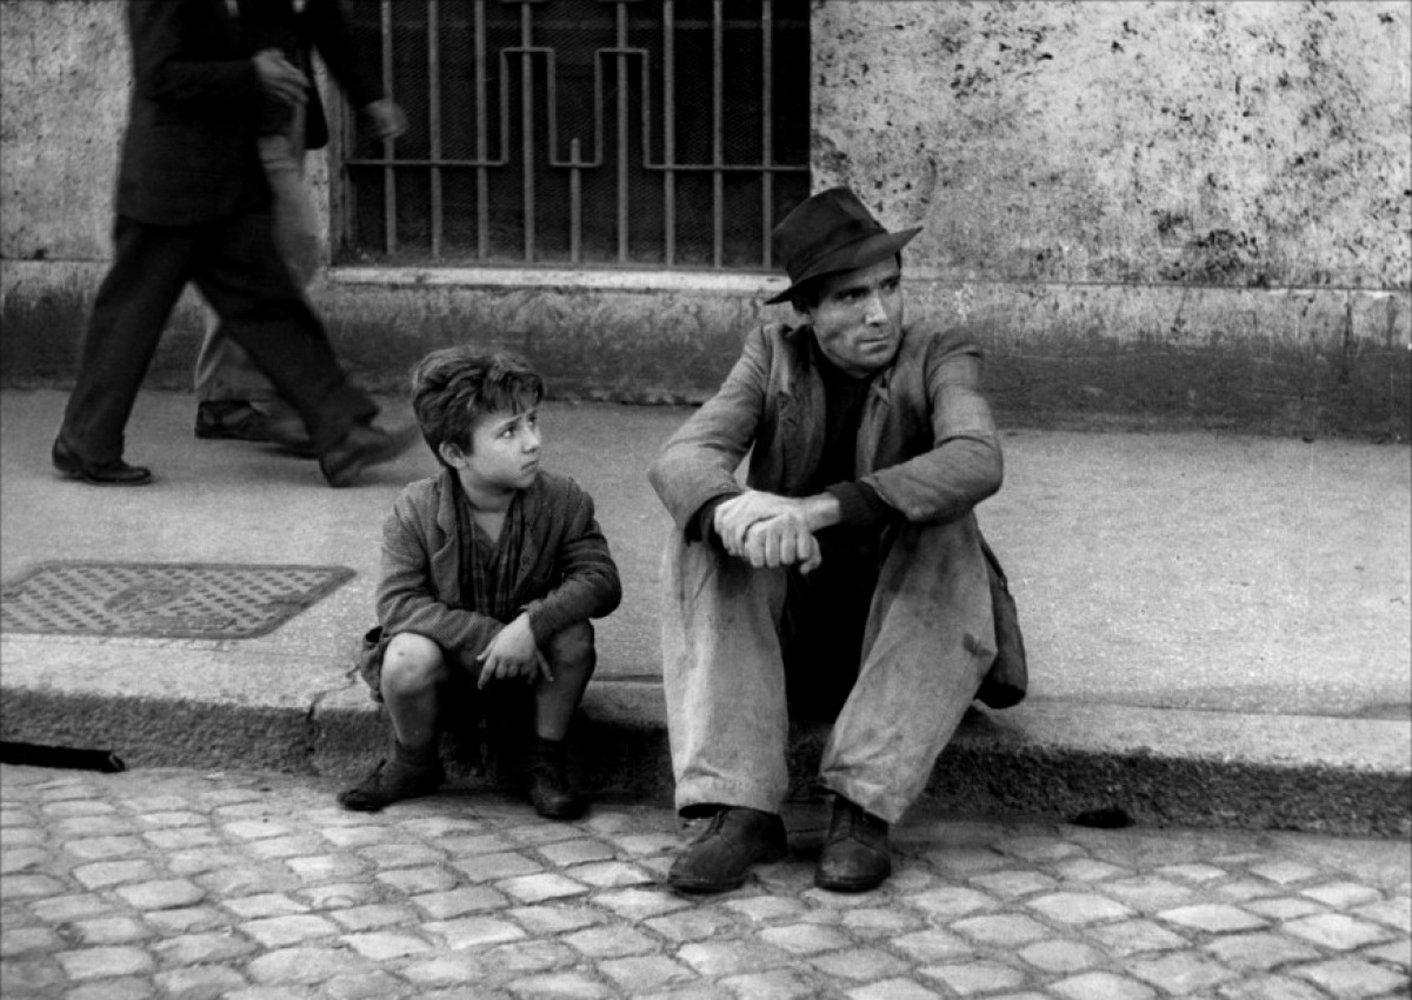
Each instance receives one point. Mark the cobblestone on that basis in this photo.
(172, 883)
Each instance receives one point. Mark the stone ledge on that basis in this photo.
(1158, 767)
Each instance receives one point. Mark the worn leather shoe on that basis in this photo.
(117, 473)
(855, 856)
(363, 446)
(393, 779)
(238, 420)
(736, 838)
(550, 791)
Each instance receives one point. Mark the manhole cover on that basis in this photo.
(163, 600)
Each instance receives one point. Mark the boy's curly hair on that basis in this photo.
(454, 387)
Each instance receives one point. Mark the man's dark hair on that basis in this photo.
(454, 387)
(806, 296)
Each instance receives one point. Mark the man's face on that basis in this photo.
(504, 452)
(858, 318)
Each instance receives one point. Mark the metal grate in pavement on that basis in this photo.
(162, 600)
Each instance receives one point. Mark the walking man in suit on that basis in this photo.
(233, 399)
(193, 205)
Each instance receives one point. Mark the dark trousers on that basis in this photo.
(234, 263)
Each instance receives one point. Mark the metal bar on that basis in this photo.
(669, 131)
(725, 168)
(389, 173)
(622, 82)
(718, 226)
(527, 130)
(482, 178)
(767, 125)
(575, 205)
(434, 119)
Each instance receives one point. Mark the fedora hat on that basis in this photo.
(829, 232)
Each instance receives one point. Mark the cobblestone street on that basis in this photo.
(177, 883)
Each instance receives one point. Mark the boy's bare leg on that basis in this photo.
(571, 657)
(413, 674)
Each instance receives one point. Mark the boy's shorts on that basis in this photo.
(575, 641)
(369, 661)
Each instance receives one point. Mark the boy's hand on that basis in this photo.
(513, 653)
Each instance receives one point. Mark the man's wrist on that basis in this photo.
(822, 510)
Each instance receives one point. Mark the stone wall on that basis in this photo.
(1161, 213)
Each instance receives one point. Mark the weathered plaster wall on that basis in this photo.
(1165, 212)
(63, 98)
(1234, 144)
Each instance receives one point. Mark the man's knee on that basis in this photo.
(411, 665)
(572, 647)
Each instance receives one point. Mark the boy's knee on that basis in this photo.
(411, 664)
(572, 647)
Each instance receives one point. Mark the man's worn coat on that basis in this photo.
(773, 400)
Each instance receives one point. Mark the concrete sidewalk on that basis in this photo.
(1217, 626)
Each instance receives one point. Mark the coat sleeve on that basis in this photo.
(166, 72)
(406, 601)
(700, 460)
(328, 32)
(589, 586)
(964, 464)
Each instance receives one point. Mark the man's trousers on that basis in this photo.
(224, 372)
(927, 642)
(235, 265)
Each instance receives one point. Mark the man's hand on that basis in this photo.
(386, 119)
(734, 517)
(513, 653)
(783, 540)
(281, 79)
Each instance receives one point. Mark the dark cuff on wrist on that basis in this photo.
(859, 504)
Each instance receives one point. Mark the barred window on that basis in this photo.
(581, 133)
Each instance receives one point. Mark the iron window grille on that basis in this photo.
(581, 133)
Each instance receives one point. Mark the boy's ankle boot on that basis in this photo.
(403, 774)
(549, 788)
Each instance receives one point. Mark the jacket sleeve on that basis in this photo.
(406, 601)
(328, 32)
(700, 460)
(588, 578)
(964, 464)
(166, 72)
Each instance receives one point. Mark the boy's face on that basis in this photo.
(504, 451)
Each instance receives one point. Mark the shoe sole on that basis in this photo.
(83, 477)
(839, 885)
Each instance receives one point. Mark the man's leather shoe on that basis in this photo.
(238, 420)
(117, 473)
(855, 856)
(361, 447)
(736, 838)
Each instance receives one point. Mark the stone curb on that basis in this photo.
(1091, 763)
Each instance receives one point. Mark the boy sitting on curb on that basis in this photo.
(492, 567)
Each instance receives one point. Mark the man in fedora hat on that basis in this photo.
(845, 580)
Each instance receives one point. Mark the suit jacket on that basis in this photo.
(565, 572)
(189, 152)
